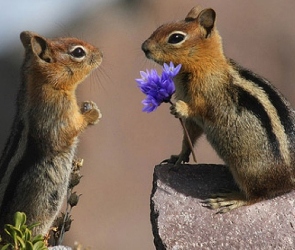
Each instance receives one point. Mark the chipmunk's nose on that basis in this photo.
(145, 48)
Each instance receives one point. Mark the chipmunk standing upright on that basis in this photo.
(246, 120)
(37, 160)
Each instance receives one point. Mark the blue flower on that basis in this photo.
(170, 70)
(157, 88)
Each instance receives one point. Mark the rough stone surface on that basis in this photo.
(59, 248)
(179, 221)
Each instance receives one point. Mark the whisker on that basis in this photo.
(105, 75)
(98, 83)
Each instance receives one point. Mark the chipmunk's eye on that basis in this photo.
(78, 52)
(175, 38)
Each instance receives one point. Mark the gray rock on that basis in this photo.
(59, 248)
(179, 221)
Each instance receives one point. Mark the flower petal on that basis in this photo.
(177, 69)
(150, 104)
(170, 70)
(144, 75)
(157, 88)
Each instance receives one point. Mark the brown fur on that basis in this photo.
(35, 167)
(236, 109)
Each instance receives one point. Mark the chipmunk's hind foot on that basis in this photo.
(225, 202)
(176, 159)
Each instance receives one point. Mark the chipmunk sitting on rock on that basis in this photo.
(244, 117)
(37, 160)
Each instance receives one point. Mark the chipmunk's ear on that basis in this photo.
(206, 19)
(37, 44)
(193, 14)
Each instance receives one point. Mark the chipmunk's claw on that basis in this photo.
(175, 160)
(173, 111)
(225, 201)
(91, 112)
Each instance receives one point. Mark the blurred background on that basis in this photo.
(121, 151)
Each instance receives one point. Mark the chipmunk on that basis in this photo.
(245, 118)
(37, 159)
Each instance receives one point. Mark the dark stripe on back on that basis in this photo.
(273, 95)
(253, 105)
(29, 160)
(17, 128)
(10, 147)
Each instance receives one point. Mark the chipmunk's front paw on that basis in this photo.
(91, 113)
(180, 109)
(225, 202)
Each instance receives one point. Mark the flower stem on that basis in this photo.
(188, 139)
(187, 136)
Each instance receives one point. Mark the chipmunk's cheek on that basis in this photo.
(158, 57)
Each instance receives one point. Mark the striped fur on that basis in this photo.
(245, 118)
(37, 160)
(274, 112)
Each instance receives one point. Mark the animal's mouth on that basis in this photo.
(149, 54)
(146, 49)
